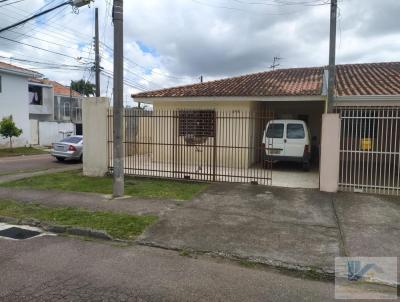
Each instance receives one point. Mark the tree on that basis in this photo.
(8, 129)
(84, 87)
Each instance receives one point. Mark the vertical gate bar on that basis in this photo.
(225, 152)
(358, 130)
(352, 157)
(385, 148)
(374, 144)
(376, 148)
(363, 127)
(390, 121)
(369, 161)
(380, 121)
(397, 146)
(214, 148)
(343, 150)
(348, 145)
(244, 158)
(342, 141)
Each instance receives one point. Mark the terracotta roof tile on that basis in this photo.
(352, 79)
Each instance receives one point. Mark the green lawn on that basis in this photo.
(141, 187)
(20, 151)
(120, 226)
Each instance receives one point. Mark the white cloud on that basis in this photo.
(174, 42)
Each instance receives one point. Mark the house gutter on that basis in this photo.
(21, 73)
(151, 100)
(367, 100)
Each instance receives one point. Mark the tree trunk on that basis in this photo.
(10, 142)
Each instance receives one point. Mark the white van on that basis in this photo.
(287, 140)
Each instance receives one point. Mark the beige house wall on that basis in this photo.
(230, 132)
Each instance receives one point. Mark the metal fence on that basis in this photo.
(370, 150)
(203, 145)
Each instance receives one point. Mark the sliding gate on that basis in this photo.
(370, 149)
(204, 145)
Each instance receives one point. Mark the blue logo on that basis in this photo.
(356, 272)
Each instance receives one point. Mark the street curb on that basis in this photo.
(61, 229)
(310, 271)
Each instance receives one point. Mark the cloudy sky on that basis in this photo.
(173, 42)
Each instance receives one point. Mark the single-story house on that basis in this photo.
(363, 91)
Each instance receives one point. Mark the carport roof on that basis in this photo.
(352, 79)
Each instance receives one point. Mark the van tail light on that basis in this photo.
(71, 148)
(306, 150)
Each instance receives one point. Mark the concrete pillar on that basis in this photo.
(330, 153)
(94, 123)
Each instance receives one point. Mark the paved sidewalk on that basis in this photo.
(92, 201)
(292, 228)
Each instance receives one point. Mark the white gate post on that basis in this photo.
(330, 153)
(94, 123)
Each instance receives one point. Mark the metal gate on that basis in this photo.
(370, 149)
(203, 145)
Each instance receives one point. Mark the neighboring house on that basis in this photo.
(45, 110)
(13, 100)
(367, 97)
(55, 111)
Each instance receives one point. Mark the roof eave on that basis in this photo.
(151, 100)
(28, 74)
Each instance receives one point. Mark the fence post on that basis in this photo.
(330, 153)
(94, 123)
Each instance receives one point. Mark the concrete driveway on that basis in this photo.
(293, 228)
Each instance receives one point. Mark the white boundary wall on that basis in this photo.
(330, 153)
(94, 118)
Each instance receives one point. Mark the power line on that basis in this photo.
(17, 1)
(35, 16)
(37, 47)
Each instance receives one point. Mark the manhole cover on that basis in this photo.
(18, 233)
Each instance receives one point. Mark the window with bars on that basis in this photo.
(198, 123)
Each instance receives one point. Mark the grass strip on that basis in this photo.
(140, 187)
(20, 151)
(118, 225)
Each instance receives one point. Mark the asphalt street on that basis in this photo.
(21, 164)
(70, 269)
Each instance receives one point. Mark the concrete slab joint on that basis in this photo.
(94, 118)
(330, 153)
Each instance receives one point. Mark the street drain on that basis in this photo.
(18, 233)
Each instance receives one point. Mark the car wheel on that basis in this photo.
(81, 158)
(60, 158)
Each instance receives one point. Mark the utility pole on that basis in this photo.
(201, 79)
(97, 51)
(275, 63)
(118, 108)
(332, 57)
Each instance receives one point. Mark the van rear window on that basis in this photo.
(275, 131)
(295, 131)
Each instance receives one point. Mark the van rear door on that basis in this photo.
(296, 139)
(274, 139)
